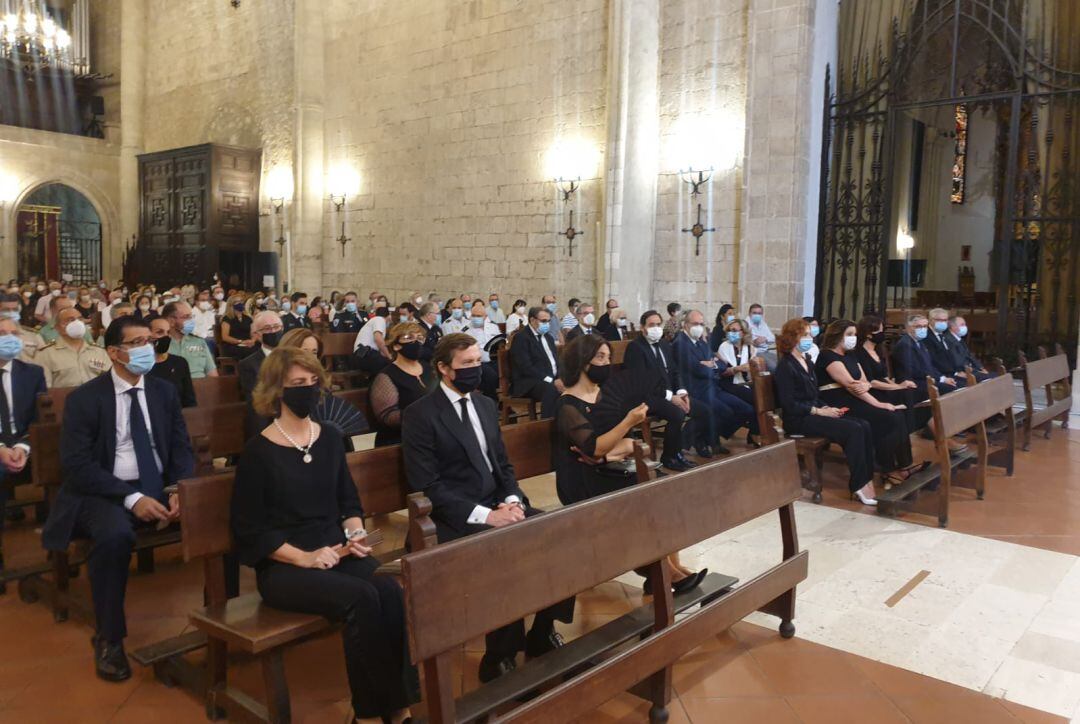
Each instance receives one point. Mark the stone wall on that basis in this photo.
(448, 111)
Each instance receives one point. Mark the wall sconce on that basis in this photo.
(695, 184)
(279, 188)
(567, 162)
(343, 180)
(904, 241)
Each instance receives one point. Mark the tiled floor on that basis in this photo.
(748, 674)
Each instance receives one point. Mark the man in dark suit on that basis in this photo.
(296, 315)
(20, 384)
(961, 355)
(911, 359)
(428, 316)
(649, 351)
(534, 362)
(938, 345)
(266, 331)
(123, 441)
(586, 320)
(617, 330)
(722, 412)
(455, 456)
(605, 323)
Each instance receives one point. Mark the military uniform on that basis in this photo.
(32, 342)
(347, 322)
(67, 367)
(196, 352)
(49, 334)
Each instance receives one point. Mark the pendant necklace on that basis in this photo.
(301, 448)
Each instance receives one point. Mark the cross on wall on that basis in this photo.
(698, 230)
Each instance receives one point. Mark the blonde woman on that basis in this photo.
(236, 339)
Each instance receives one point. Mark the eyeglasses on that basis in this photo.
(132, 343)
(412, 338)
(271, 330)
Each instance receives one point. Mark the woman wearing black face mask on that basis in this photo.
(400, 383)
(580, 449)
(171, 367)
(297, 520)
(873, 357)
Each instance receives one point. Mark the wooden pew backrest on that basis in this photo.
(207, 533)
(379, 475)
(223, 425)
(528, 446)
(965, 408)
(214, 391)
(1043, 372)
(449, 590)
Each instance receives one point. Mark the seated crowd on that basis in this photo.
(435, 387)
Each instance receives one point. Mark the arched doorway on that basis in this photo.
(58, 233)
(949, 168)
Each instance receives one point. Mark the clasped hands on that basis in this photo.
(505, 514)
(13, 458)
(148, 509)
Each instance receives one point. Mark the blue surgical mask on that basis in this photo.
(962, 331)
(734, 337)
(456, 314)
(350, 307)
(140, 360)
(189, 326)
(552, 307)
(476, 321)
(11, 346)
(920, 333)
(10, 314)
(729, 319)
(301, 309)
(805, 344)
(544, 327)
(755, 318)
(814, 330)
(494, 303)
(940, 326)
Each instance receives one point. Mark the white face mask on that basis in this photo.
(589, 319)
(519, 310)
(219, 296)
(418, 301)
(75, 329)
(204, 305)
(697, 330)
(623, 322)
(653, 334)
(850, 342)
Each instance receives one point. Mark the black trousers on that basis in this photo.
(673, 415)
(111, 530)
(506, 642)
(892, 441)
(372, 608)
(853, 434)
(546, 394)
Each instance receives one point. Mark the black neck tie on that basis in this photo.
(6, 433)
(150, 480)
(659, 355)
(466, 420)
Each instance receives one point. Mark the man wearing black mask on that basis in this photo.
(266, 330)
(454, 454)
(170, 367)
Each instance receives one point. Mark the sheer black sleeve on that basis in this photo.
(385, 400)
(577, 428)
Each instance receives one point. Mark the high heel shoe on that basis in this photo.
(862, 499)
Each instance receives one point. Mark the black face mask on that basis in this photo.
(161, 346)
(878, 337)
(467, 379)
(411, 350)
(301, 400)
(271, 339)
(599, 374)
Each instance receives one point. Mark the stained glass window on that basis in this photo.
(959, 169)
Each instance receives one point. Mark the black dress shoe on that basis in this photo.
(721, 450)
(752, 441)
(704, 451)
(674, 464)
(538, 645)
(492, 668)
(690, 582)
(686, 463)
(110, 661)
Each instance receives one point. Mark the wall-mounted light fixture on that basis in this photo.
(567, 162)
(342, 181)
(279, 189)
(905, 242)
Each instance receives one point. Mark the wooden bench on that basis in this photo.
(506, 401)
(1045, 373)
(214, 391)
(810, 450)
(339, 346)
(964, 409)
(227, 366)
(450, 589)
(1004, 456)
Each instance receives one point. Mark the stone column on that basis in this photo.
(632, 158)
(132, 94)
(776, 243)
(306, 220)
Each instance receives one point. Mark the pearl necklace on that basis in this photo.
(311, 439)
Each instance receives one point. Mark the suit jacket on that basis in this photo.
(912, 361)
(796, 391)
(434, 334)
(88, 449)
(613, 333)
(291, 321)
(700, 381)
(604, 324)
(640, 355)
(940, 352)
(961, 355)
(577, 331)
(249, 371)
(27, 382)
(529, 362)
(443, 459)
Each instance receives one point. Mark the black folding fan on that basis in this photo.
(341, 415)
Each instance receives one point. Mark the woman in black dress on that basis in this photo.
(580, 450)
(874, 360)
(236, 339)
(400, 383)
(838, 366)
(806, 414)
(144, 308)
(170, 367)
(296, 519)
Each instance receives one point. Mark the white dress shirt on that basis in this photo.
(761, 329)
(126, 465)
(366, 336)
(7, 365)
(483, 335)
(496, 315)
(727, 353)
(480, 513)
(513, 321)
(204, 322)
(548, 351)
(453, 326)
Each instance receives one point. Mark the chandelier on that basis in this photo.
(35, 39)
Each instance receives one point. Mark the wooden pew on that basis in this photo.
(810, 450)
(965, 409)
(1045, 373)
(449, 589)
(1004, 456)
(506, 401)
(339, 346)
(214, 391)
(227, 366)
